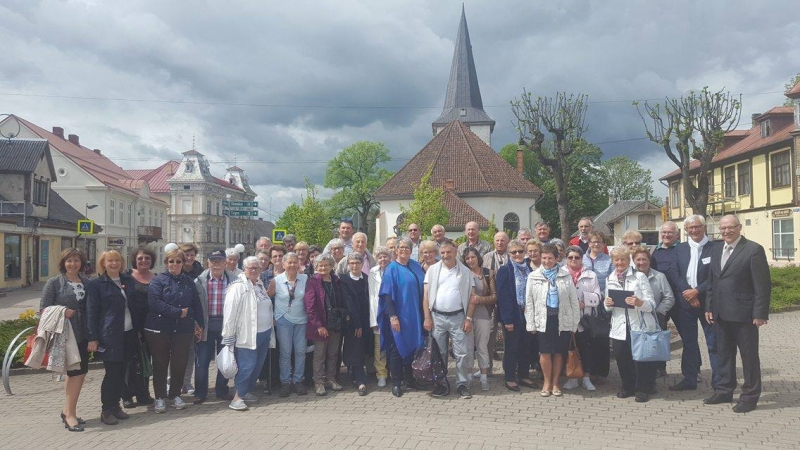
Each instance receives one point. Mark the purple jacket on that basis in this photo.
(315, 306)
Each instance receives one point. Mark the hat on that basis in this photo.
(217, 254)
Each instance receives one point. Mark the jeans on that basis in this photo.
(518, 351)
(292, 339)
(686, 322)
(451, 327)
(482, 329)
(250, 363)
(205, 352)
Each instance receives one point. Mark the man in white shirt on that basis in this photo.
(448, 315)
(415, 233)
(345, 234)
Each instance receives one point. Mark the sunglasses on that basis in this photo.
(632, 243)
(517, 252)
(573, 258)
(174, 261)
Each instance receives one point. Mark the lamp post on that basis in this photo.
(86, 238)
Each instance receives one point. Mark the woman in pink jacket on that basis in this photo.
(589, 296)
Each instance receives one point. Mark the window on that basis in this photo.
(40, 192)
(780, 169)
(766, 128)
(647, 221)
(130, 214)
(186, 187)
(511, 222)
(186, 206)
(676, 195)
(217, 208)
(111, 211)
(218, 235)
(730, 181)
(208, 207)
(744, 178)
(121, 211)
(711, 182)
(12, 264)
(208, 233)
(783, 238)
(189, 167)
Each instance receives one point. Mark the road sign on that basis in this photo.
(229, 213)
(240, 204)
(85, 227)
(277, 235)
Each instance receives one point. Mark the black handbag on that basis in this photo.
(597, 323)
(428, 365)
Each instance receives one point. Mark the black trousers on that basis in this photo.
(135, 383)
(595, 353)
(518, 351)
(170, 352)
(744, 337)
(113, 384)
(636, 376)
(398, 370)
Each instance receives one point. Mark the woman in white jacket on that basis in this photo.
(593, 349)
(551, 311)
(247, 323)
(383, 257)
(637, 377)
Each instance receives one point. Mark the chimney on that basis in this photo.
(449, 185)
(58, 131)
(97, 150)
(74, 139)
(753, 118)
(519, 160)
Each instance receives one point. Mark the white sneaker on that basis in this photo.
(238, 405)
(249, 398)
(382, 382)
(178, 403)
(484, 385)
(160, 406)
(477, 374)
(587, 384)
(570, 384)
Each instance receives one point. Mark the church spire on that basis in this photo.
(463, 99)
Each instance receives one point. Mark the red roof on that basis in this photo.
(157, 178)
(749, 141)
(794, 92)
(224, 183)
(461, 212)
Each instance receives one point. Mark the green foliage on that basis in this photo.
(8, 330)
(788, 86)
(310, 221)
(624, 179)
(785, 287)
(427, 209)
(484, 235)
(288, 219)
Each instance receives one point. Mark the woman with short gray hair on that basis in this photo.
(322, 300)
(357, 345)
(232, 262)
(383, 257)
(336, 247)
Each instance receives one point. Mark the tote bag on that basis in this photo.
(649, 346)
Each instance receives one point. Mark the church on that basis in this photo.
(479, 185)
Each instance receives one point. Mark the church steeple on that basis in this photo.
(463, 99)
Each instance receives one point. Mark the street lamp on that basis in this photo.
(88, 207)
(85, 237)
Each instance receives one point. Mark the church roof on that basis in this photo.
(463, 99)
(461, 212)
(459, 155)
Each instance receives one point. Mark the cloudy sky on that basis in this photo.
(280, 87)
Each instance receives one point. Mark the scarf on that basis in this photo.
(697, 248)
(552, 292)
(575, 274)
(521, 272)
(621, 277)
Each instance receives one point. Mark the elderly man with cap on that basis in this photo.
(212, 285)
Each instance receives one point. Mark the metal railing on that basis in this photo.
(11, 353)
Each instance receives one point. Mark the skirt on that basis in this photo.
(551, 342)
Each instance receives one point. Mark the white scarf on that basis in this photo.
(697, 248)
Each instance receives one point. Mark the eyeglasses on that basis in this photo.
(174, 261)
(517, 252)
(254, 268)
(403, 247)
(413, 229)
(573, 258)
(632, 243)
(144, 257)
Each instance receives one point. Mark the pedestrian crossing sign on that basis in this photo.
(85, 227)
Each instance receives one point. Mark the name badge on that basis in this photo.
(706, 260)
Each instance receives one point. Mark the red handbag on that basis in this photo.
(30, 340)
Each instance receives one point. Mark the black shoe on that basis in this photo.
(717, 399)
(744, 407)
(285, 390)
(439, 391)
(528, 384)
(463, 392)
(227, 397)
(198, 401)
(64, 419)
(77, 427)
(127, 404)
(107, 417)
(624, 394)
(682, 386)
(512, 388)
(642, 397)
(144, 401)
(300, 389)
(397, 391)
(362, 390)
(120, 414)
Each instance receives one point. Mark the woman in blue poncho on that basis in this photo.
(400, 314)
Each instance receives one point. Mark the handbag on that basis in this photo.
(596, 324)
(574, 365)
(226, 362)
(29, 341)
(428, 365)
(649, 346)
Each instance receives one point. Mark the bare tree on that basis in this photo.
(692, 128)
(563, 118)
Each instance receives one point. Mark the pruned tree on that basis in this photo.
(562, 117)
(428, 208)
(692, 128)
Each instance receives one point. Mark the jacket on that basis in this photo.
(240, 313)
(201, 283)
(588, 292)
(57, 291)
(465, 284)
(637, 282)
(536, 290)
(374, 281)
(54, 335)
(683, 252)
(662, 293)
(316, 309)
(106, 307)
(742, 290)
(166, 296)
(510, 313)
(665, 260)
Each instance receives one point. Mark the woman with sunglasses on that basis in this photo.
(142, 261)
(288, 292)
(174, 319)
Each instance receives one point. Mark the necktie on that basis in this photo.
(725, 255)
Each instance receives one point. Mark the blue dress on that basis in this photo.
(402, 286)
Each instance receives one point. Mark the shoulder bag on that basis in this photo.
(649, 346)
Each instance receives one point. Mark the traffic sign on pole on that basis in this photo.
(240, 204)
(245, 213)
(85, 226)
(278, 235)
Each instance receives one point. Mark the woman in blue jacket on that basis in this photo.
(174, 320)
(110, 330)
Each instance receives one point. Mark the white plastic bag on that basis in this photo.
(226, 362)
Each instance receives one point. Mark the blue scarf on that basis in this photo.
(552, 292)
(521, 272)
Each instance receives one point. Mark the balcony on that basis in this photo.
(148, 234)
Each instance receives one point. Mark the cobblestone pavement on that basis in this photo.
(497, 419)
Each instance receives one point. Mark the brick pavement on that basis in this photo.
(498, 419)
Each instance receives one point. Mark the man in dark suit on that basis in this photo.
(737, 301)
(694, 261)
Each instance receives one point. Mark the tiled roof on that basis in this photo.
(157, 178)
(23, 155)
(613, 211)
(794, 92)
(782, 123)
(461, 212)
(226, 184)
(457, 154)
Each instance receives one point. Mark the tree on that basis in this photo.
(288, 218)
(624, 179)
(788, 86)
(563, 117)
(427, 209)
(692, 128)
(310, 220)
(356, 171)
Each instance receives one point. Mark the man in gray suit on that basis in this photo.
(737, 301)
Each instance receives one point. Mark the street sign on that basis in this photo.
(230, 213)
(116, 242)
(277, 235)
(85, 226)
(240, 204)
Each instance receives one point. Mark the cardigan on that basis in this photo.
(58, 291)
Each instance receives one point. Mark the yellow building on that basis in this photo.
(755, 176)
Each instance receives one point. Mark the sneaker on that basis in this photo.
(587, 384)
(319, 389)
(285, 390)
(188, 389)
(238, 405)
(570, 384)
(300, 388)
(381, 382)
(463, 392)
(249, 398)
(439, 391)
(477, 374)
(334, 385)
(161, 406)
(484, 385)
(178, 403)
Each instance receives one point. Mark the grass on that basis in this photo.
(785, 287)
(9, 329)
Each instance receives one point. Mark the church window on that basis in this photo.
(511, 222)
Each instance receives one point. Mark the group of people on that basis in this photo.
(373, 311)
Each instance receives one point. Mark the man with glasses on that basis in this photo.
(345, 234)
(414, 234)
(665, 260)
(474, 240)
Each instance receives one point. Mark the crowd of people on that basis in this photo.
(372, 312)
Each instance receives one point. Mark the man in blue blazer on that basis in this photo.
(737, 301)
(694, 261)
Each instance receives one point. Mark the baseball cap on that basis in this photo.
(217, 254)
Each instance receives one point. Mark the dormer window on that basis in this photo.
(189, 167)
(463, 112)
(233, 181)
(766, 128)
